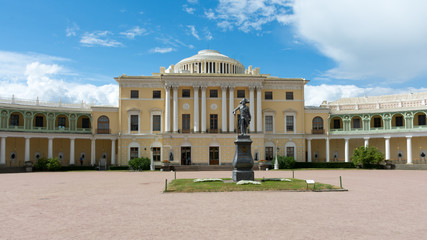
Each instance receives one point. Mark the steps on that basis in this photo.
(203, 168)
(411, 166)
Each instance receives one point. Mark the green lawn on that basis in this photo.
(188, 185)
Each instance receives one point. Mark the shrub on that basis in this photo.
(112, 168)
(324, 165)
(139, 164)
(285, 162)
(366, 156)
(77, 168)
(53, 164)
(41, 164)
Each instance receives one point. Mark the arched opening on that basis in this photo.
(356, 123)
(61, 122)
(397, 121)
(420, 119)
(83, 122)
(317, 125)
(103, 125)
(376, 121)
(39, 121)
(16, 120)
(336, 123)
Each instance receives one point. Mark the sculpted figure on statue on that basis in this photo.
(245, 116)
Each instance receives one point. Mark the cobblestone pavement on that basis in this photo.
(380, 204)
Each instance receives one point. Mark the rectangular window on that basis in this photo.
(185, 93)
(213, 93)
(134, 119)
(214, 123)
(356, 123)
(156, 122)
(14, 120)
(290, 152)
(268, 95)
(157, 94)
(268, 123)
(289, 95)
(85, 123)
(156, 154)
(337, 124)
(134, 94)
(268, 153)
(185, 123)
(134, 152)
(213, 155)
(240, 93)
(39, 121)
(399, 121)
(289, 123)
(421, 120)
(61, 122)
(377, 122)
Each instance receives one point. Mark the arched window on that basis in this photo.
(317, 125)
(103, 125)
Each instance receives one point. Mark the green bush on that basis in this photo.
(41, 164)
(139, 164)
(76, 168)
(366, 156)
(53, 164)
(324, 165)
(284, 162)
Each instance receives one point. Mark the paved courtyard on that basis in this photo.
(380, 204)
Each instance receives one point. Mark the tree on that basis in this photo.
(367, 155)
(139, 164)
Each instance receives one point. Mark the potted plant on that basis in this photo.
(166, 162)
(262, 162)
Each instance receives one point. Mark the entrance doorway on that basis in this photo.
(213, 155)
(185, 155)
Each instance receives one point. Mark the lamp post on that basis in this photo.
(276, 163)
(152, 168)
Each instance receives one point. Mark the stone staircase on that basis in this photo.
(411, 166)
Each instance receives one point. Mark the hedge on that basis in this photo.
(119, 168)
(77, 168)
(324, 165)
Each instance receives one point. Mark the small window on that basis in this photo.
(134, 152)
(14, 120)
(268, 153)
(134, 122)
(289, 123)
(157, 94)
(185, 93)
(85, 123)
(185, 123)
(399, 121)
(213, 123)
(268, 95)
(39, 121)
(289, 95)
(134, 94)
(156, 122)
(61, 122)
(421, 120)
(337, 124)
(377, 122)
(290, 152)
(213, 93)
(356, 123)
(240, 93)
(269, 123)
(317, 123)
(156, 154)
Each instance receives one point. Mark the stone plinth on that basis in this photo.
(243, 161)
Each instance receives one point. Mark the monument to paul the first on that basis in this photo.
(242, 161)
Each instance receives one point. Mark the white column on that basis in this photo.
(27, 149)
(231, 104)
(92, 152)
(252, 108)
(327, 150)
(196, 109)
(3, 151)
(409, 149)
(308, 150)
(224, 109)
(175, 109)
(167, 109)
(346, 153)
(387, 148)
(113, 151)
(203, 109)
(258, 110)
(366, 142)
(72, 151)
(50, 148)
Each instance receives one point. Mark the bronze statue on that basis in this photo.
(245, 116)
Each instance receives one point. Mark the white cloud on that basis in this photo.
(133, 32)
(315, 95)
(193, 31)
(188, 9)
(192, 1)
(99, 38)
(72, 30)
(208, 34)
(36, 75)
(161, 50)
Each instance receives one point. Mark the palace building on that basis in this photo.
(184, 114)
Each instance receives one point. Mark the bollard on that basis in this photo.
(340, 182)
(166, 185)
(175, 174)
(293, 175)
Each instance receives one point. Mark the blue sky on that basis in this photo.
(73, 49)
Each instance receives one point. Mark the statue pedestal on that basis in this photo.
(242, 161)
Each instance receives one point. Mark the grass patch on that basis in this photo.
(188, 185)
